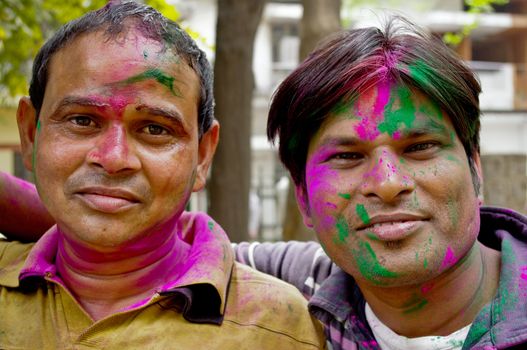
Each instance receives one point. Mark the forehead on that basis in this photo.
(387, 110)
(94, 62)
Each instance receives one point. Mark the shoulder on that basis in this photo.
(13, 252)
(260, 282)
(12, 258)
(276, 309)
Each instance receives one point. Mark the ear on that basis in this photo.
(207, 148)
(26, 118)
(303, 204)
(476, 159)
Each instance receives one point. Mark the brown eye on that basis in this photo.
(82, 120)
(153, 129)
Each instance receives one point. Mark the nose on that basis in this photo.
(385, 179)
(112, 151)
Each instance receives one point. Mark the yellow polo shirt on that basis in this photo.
(215, 304)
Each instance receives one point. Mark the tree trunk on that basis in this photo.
(320, 18)
(233, 88)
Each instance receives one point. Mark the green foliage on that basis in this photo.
(26, 24)
(476, 7)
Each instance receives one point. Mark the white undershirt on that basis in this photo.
(389, 340)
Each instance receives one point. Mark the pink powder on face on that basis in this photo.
(449, 259)
(118, 103)
(112, 152)
(319, 178)
(522, 283)
(523, 270)
(331, 205)
(367, 129)
(425, 288)
(386, 161)
(383, 96)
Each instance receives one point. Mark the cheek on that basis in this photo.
(322, 189)
(170, 175)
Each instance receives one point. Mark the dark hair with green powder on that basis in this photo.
(352, 61)
(119, 17)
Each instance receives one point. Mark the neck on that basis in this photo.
(107, 281)
(443, 305)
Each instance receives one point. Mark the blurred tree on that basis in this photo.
(233, 88)
(475, 7)
(26, 24)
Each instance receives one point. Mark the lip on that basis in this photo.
(393, 227)
(107, 200)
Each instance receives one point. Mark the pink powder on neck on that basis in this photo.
(449, 259)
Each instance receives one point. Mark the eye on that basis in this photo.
(82, 120)
(347, 156)
(154, 129)
(420, 147)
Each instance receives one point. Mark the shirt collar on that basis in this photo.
(202, 286)
(334, 296)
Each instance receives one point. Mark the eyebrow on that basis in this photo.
(78, 100)
(173, 115)
(340, 141)
(430, 128)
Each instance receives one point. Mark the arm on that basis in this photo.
(302, 264)
(22, 214)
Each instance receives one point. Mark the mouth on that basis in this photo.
(108, 200)
(392, 227)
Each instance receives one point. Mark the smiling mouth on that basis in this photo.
(392, 227)
(109, 201)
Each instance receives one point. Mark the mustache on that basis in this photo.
(132, 183)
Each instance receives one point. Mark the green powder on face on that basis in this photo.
(453, 212)
(431, 109)
(345, 195)
(371, 236)
(405, 115)
(362, 213)
(453, 159)
(156, 74)
(369, 266)
(342, 230)
(211, 225)
(425, 263)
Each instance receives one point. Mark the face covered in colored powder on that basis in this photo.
(116, 151)
(389, 189)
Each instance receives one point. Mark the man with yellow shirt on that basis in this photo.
(119, 131)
